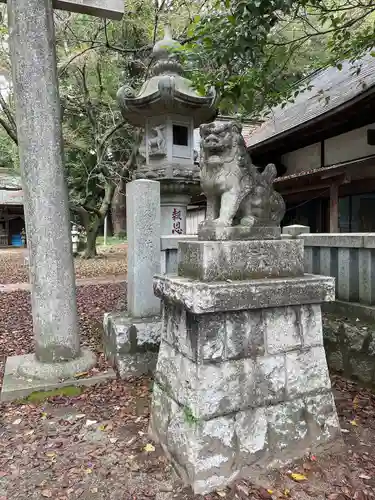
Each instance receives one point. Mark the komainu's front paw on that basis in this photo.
(222, 222)
(248, 221)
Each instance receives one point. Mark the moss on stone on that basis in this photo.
(70, 391)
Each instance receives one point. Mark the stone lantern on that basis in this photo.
(169, 109)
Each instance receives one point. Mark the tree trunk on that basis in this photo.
(91, 235)
(118, 210)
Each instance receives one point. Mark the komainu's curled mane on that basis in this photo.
(237, 193)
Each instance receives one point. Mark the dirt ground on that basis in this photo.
(111, 261)
(94, 445)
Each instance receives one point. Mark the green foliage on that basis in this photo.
(255, 51)
(8, 152)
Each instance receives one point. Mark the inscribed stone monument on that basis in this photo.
(241, 383)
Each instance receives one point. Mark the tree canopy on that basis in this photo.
(257, 53)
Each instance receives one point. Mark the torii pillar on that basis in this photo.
(58, 354)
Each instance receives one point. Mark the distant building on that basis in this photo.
(12, 220)
(323, 145)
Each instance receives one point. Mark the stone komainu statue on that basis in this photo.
(238, 194)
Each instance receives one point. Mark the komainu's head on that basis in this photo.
(221, 141)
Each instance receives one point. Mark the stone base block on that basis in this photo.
(54, 372)
(131, 344)
(209, 231)
(200, 297)
(210, 454)
(240, 260)
(16, 386)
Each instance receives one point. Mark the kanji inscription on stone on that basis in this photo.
(176, 218)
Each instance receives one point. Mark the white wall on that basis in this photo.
(348, 146)
(193, 219)
(344, 147)
(302, 159)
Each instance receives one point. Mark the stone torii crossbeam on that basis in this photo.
(111, 9)
(58, 354)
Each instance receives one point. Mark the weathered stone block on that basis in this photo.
(201, 297)
(240, 260)
(307, 372)
(209, 454)
(202, 452)
(131, 344)
(209, 231)
(251, 428)
(321, 416)
(311, 325)
(213, 389)
(286, 425)
(211, 337)
(244, 334)
(283, 332)
(350, 347)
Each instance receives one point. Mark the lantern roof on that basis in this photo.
(167, 91)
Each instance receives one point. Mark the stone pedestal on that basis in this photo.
(241, 383)
(131, 339)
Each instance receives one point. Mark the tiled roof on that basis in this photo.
(331, 88)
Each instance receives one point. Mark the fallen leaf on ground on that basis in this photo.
(149, 448)
(82, 374)
(353, 422)
(18, 421)
(90, 422)
(265, 494)
(298, 477)
(220, 493)
(47, 493)
(364, 476)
